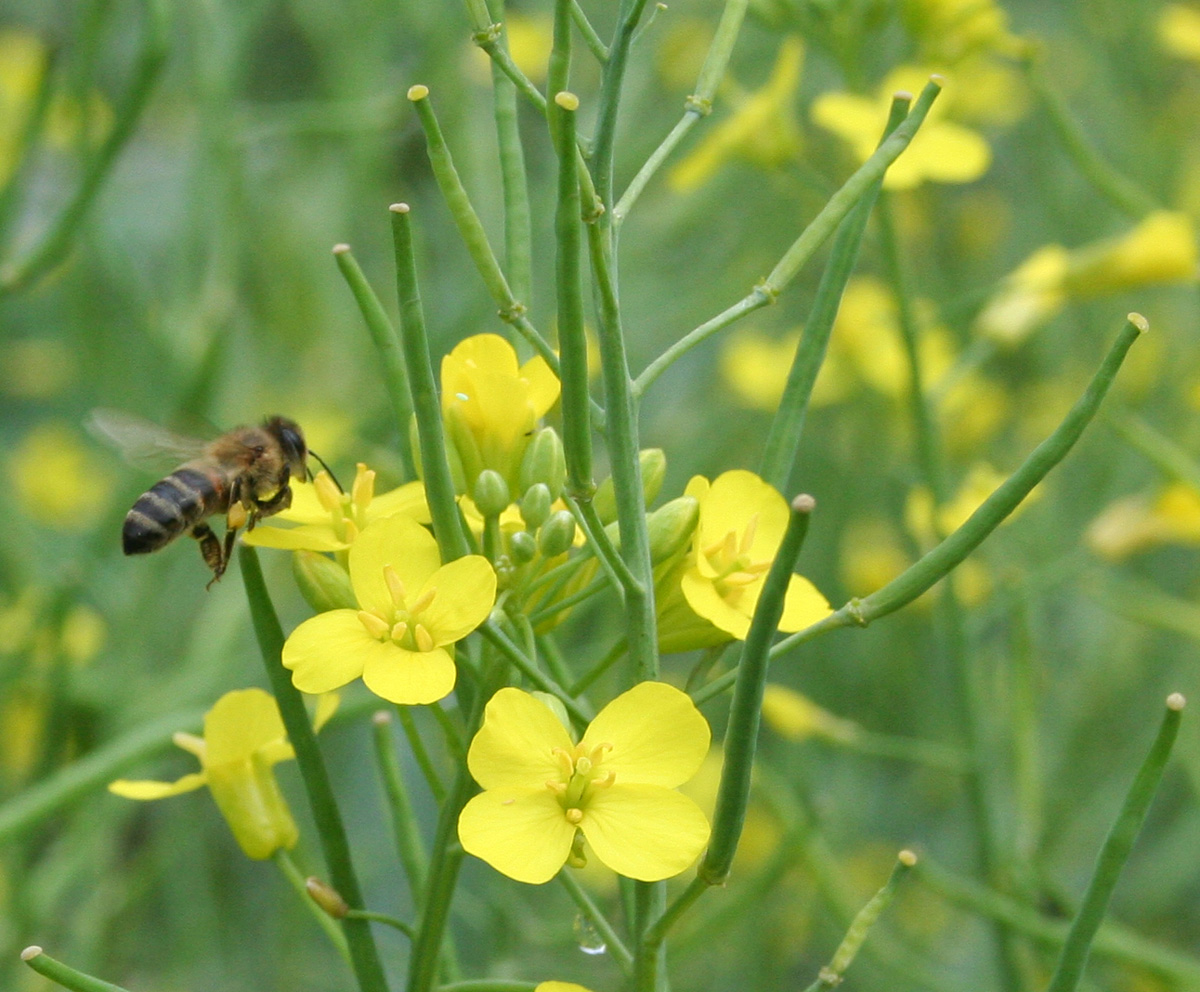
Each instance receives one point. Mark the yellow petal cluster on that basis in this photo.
(411, 610)
(1138, 523)
(616, 787)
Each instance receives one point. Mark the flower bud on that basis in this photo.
(327, 897)
(557, 534)
(522, 546)
(671, 527)
(653, 462)
(544, 462)
(324, 584)
(535, 505)
(490, 493)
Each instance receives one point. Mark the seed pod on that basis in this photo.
(324, 584)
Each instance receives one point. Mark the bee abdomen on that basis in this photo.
(169, 508)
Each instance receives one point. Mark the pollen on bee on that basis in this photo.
(237, 517)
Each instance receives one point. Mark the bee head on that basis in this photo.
(291, 440)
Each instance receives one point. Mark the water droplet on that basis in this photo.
(462, 396)
(590, 941)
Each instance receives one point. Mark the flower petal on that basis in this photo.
(466, 593)
(521, 833)
(803, 605)
(410, 677)
(658, 736)
(240, 723)
(145, 789)
(514, 748)
(543, 385)
(306, 537)
(702, 596)
(398, 541)
(644, 831)
(732, 500)
(330, 650)
(408, 499)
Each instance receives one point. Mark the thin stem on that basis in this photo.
(386, 919)
(805, 246)
(498, 639)
(1167, 455)
(1115, 852)
(387, 344)
(783, 439)
(451, 732)
(421, 753)
(326, 816)
(590, 38)
(628, 15)
(295, 878)
(602, 666)
(587, 906)
(602, 546)
(656, 933)
(66, 976)
(439, 486)
(409, 846)
(558, 606)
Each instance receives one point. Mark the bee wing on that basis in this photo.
(141, 443)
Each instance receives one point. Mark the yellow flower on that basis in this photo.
(243, 740)
(756, 368)
(762, 128)
(491, 406)
(928, 524)
(954, 28)
(560, 987)
(616, 787)
(798, 718)
(941, 152)
(329, 519)
(411, 610)
(1179, 31)
(1161, 248)
(742, 522)
(1135, 523)
(57, 480)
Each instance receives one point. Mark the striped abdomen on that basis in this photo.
(172, 507)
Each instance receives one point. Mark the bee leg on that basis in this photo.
(268, 507)
(226, 551)
(210, 549)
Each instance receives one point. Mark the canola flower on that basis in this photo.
(411, 610)
(491, 406)
(709, 596)
(615, 787)
(1137, 523)
(243, 740)
(329, 519)
(1179, 31)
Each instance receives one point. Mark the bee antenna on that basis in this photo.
(327, 469)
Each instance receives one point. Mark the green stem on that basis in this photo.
(450, 731)
(1118, 189)
(741, 735)
(435, 468)
(55, 244)
(64, 975)
(1115, 852)
(284, 861)
(602, 546)
(384, 918)
(1167, 455)
(590, 38)
(831, 975)
(558, 606)
(498, 639)
(649, 955)
(30, 132)
(326, 816)
(387, 344)
(587, 906)
(918, 752)
(806, 245)
(409, 846)
(628, 15)
(420, 753)
(84, 777)
(602, 666)
(783, 439)
(488, 985)
(573, 371)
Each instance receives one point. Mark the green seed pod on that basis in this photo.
(671, 527)
(535, 505)
(490, 493)
(653, 462)
(557, 534)
(544, 462)
(323, 583)
(456, 469)
(522, 546)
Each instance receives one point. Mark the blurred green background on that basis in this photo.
(200, 290)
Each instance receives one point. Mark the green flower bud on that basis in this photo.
(557, 534)
(535, 505)
(653, 462)
(671, 527)
(323, 583)
(491, 493)
(544, 462)
(522, 546)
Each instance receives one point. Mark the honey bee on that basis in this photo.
(244, 473)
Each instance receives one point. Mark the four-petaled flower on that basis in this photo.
(329, 519)
(616, 786)
(709, 597)
(412, 609)
(243, 739)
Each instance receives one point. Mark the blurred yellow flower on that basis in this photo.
(762, 831)
(1179, 31)
(57, 480)
(560, 987)
(491, 406)
(1137, 523)
(951, 29)
(616, 787)
(798, 718)
(329, 519)
(761, 129)
(929, 525)
(941, 152)
(1161, 248)
(756, 368)
(871, 555)
(243, 740)
(530, 38)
